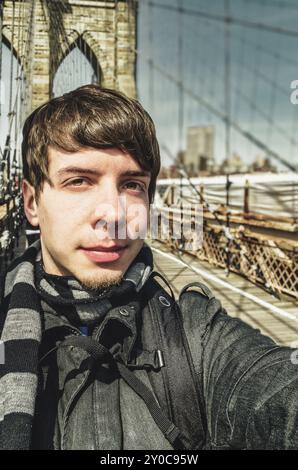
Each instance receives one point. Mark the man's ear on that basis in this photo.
(30, 205)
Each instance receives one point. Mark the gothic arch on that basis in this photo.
(7, 43)
(88, 52)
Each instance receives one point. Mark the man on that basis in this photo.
(97, 353)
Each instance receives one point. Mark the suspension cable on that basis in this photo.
(222, 116)
(222, 19)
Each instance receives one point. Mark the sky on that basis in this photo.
(263, 65)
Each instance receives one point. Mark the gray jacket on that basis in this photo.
(248, 384)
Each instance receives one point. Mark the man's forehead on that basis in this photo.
(93, 161)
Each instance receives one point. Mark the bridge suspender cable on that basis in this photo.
(223, 18)
(221, 115)
(227, 127)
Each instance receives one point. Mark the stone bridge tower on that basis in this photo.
(104, 31)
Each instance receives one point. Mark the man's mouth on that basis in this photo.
(104, 254)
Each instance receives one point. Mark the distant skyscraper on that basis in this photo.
(199, 155)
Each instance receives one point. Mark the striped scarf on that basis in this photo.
(27, 290)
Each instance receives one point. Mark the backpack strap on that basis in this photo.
(205, 289)
(196, 316)
(183, 395)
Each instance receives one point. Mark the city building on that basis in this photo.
(199, 154)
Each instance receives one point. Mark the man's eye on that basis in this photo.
(135, 186)
(76, 182)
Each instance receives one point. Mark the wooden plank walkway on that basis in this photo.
(282, 329)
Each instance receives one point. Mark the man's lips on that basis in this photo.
(105, 248)
(104, 254)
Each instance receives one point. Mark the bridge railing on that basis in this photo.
(11, 218)
(268, 263)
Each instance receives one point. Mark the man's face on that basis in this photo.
(94, 216)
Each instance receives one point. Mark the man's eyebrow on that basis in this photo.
(136, 173)
(90, 171)
(76, 169)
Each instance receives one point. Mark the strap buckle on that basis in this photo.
(147, 360)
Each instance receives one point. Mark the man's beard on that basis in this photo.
(97, 284)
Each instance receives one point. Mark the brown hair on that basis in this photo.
(89, 116)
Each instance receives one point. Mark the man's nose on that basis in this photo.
(110, 211)
(106, 196)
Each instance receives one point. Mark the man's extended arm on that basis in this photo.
(249, 383)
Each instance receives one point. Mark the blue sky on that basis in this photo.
(262, 66)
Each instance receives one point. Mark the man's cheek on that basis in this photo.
(56, 226)
(137, 221)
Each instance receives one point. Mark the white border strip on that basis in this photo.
(211, 277)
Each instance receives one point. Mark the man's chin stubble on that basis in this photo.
(94, 284)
